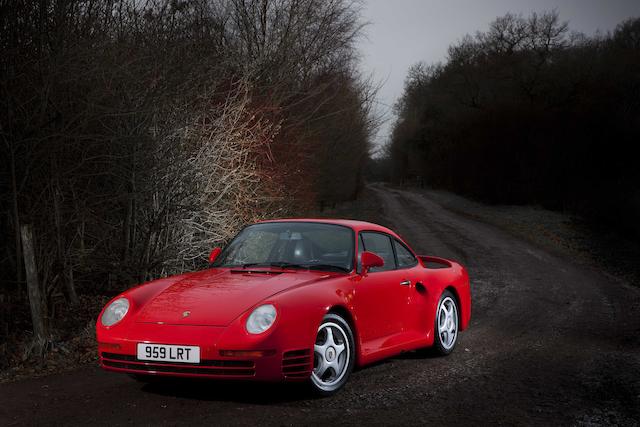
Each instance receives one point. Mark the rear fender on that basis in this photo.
(445, 274)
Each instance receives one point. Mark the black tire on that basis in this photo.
(319, 386)
(442, 345)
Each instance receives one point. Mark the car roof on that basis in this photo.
(351, 223)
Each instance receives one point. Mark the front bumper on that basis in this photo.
(266, 359)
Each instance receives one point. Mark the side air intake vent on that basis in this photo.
(297, 364)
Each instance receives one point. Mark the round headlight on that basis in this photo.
(115, 312)
(261, 319)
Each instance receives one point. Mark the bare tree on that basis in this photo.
(136, 134)
(522, 113)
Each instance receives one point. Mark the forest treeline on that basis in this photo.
(137, 135)
(528, 112)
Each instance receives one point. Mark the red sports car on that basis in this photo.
(289, 300)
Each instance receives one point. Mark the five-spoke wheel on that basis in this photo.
(333, 355)
(446, 324)
(334, 349)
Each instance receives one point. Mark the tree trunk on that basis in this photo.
(71, 287)
(63, 258)
(16, 219)
(35, 299)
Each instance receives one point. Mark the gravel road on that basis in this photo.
(550, 342)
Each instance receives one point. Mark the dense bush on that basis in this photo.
(528, 112)
(136, 135)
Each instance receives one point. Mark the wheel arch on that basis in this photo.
(344, 312)
(454, 291)
(461, 307)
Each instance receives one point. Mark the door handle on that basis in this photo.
(406, 283)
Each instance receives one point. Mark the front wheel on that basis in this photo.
(333, 355)
(446, 324)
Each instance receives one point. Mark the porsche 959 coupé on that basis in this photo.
(303, 300)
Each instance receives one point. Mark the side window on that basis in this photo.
(380, 245)
(405, 257)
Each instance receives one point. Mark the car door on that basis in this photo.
(381, 297)
(409, 270)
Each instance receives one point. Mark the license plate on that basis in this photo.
(169, 353)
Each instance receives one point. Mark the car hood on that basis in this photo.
(218, 296)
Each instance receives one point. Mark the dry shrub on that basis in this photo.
(229, 191)
(223, 183)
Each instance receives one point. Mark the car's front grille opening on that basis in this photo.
(297, 363)
(243, 368)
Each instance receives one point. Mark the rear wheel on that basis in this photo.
(446, 324)
(333, 355)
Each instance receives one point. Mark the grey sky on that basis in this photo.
(403, 32)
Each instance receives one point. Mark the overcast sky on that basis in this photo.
(403, 32)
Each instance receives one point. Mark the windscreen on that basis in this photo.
(303, 245)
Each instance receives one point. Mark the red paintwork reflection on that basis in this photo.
(209, 309)
(216, 297)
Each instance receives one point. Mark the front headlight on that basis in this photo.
(261, 319)
(115, 312)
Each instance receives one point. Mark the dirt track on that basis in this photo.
(550, 343)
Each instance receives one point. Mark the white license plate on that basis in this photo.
(169, 353)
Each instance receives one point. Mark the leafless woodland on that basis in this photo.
(529, 112)
(138, 134)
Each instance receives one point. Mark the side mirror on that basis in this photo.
(214, 254)
(370, 260)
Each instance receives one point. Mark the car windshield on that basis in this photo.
(303, 245)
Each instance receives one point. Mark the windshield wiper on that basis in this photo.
(286, 265)
(271, 264)
(249, 264)
(326, 267)
(291, 265)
